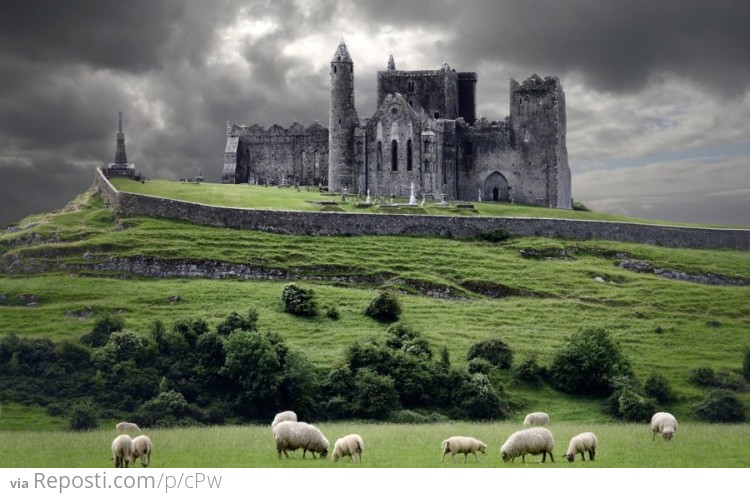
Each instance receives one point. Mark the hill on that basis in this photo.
(62, 270)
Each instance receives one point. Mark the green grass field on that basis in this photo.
(387, 446)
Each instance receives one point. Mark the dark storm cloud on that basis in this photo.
(617, 45)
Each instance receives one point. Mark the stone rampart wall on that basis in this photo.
(332, 223)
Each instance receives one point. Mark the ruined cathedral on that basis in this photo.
(424, 132)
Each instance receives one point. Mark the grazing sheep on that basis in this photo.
(287, 416)
(142, 447)
(536, 419)
(351, 446)
(586, 441)
(534, 441)
(294, 435)
(665, 424)
(122, 451)
(127, 427)
(462, 444)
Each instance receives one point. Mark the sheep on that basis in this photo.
(142, 447)
(665, 424)
(295, 435)
(122, 451)
(536, 419)
(351, 446)
(586, 441)
(462, 444)
(127, 427)
(288, 415)
(533, 441)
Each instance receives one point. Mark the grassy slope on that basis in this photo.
(244, 196)
(632, 306)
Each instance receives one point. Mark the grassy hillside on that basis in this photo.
(455, 292)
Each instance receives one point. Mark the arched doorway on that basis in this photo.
(496, 187)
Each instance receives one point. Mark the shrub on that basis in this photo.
(480, 400)
(657, 387)
(375, 395)
(494, 351)
(479, 365)
(83, 417)
(166, 410)
(415, 417)
(746, 363)
(332, 313)
(494, 236)
(529, 371)
(721, 405)
(385, 307)
(703, 376)
(732, 381)
(636, 408)
(589, 363)
(299, 301)
(579, 206)
(235, 321)
(399, 336)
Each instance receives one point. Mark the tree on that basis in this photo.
(104, 326)
(721, 405)
(235, 321)
(589, 363)
(375, 395)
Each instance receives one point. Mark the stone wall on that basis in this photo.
(332, 223)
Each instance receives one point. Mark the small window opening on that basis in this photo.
(408, 156)
(334, 69)
(468, 147)
(437, 114)
(394, 155)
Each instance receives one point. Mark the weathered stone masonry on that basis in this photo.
(332, 223)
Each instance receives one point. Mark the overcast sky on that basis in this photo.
(657, 92)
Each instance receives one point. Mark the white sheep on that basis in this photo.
(287, 416)
(536, 419)
(665, 424)
(462, 444)
(122, 451)
(290, 436)
(534, 441)
(142, 448)
(586, 441)
(127, 427)
(351, 446)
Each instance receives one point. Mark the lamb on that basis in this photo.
(586, 441)
(284, 417)
(462, 444)
(665, 424)
(533, 441)
(142, 447)
(536, 419)
(127, 427)
(351, 446)
(122, 451)
(294, 435)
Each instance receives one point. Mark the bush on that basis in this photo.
(494, 351)
(415, 417)
(746, 363)
(529, 371)
(480, 401)
(703, 376)
(732, 381)
(589, 363)
(721, 405)
(385, 307)
(402, 337)
(299, 301)
(479, 365)
(83, 417)
(332, 313)
(636, 408)
(657, 387)
(375, 395)
(167, 409)
(235, 321)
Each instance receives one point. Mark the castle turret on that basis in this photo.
(343, 119)
(391, 63)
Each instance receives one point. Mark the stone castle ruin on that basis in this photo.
(424, 132)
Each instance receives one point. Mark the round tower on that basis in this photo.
(342, 121)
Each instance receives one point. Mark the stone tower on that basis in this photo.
(538, 123)
(342, 121)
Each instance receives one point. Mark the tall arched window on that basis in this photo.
(408, 155)
(379, 165)
(394, 155)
